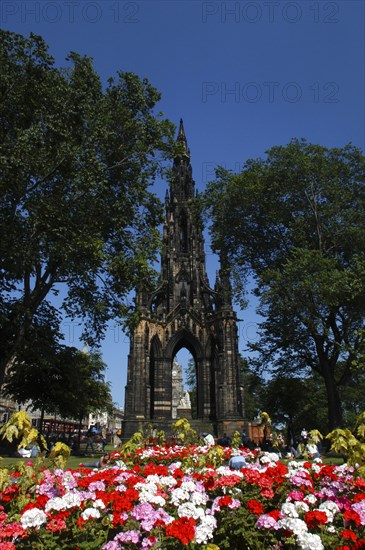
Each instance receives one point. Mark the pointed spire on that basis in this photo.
(181, 138)
(181, 135)
(182, 184)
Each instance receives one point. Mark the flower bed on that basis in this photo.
(184, 497)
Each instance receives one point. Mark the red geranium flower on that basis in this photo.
(265, 482)
(360, 482)
(351, 515)
(10, 493)
(13, 530)
(123, 502)
(29, 506)
(182, 529)
(227, 481)
(255, 507)
(80, 522)
(252, 476)
(155, 469)
(328, 471)
(178, 473)
(315, 518)
(349, 535)
(56, 524)
(225, 501)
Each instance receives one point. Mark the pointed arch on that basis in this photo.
(184, 339)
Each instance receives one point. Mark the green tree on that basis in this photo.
(57, 379)
(296, 403)
(34, 377)
(296, 222)
(76, 162)
(353, 398)
(254, 388)
(84, 387)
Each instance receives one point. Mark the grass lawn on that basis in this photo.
(74, 461)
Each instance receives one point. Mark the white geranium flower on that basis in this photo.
(198, 498)
(72, 500)
(330, 506)
(204, 531)
(308, 541)
(33, 518)
(153, 478)
(189, 510)
(99, 504)
(269, 458)
(179, 495)
(120, 464)
(311, 499)
(188, 486)
(288, 509)
(148, 493)
(301, 506)
(296, 525)
(56, 503)
(90, 513)
(168, 481)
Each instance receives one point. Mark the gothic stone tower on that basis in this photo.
(184, 312)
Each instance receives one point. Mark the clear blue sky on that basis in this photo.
(244, 76)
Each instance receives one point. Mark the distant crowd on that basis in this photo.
(277, 444)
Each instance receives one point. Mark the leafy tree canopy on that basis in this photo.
(76, 163)
(296, 222)
(55, 378)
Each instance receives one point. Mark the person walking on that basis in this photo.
(90, 440)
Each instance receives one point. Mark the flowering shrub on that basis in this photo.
(184, 432)
(351, 443)
(177, 497)
(19, 427)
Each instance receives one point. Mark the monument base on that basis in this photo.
(184, 413)
(229, 427)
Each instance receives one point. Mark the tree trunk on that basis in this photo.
(41, 421)
(335, 418)
(79, 434)
(6, 362)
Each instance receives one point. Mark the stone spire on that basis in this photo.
(182, 185)
(181, 138)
